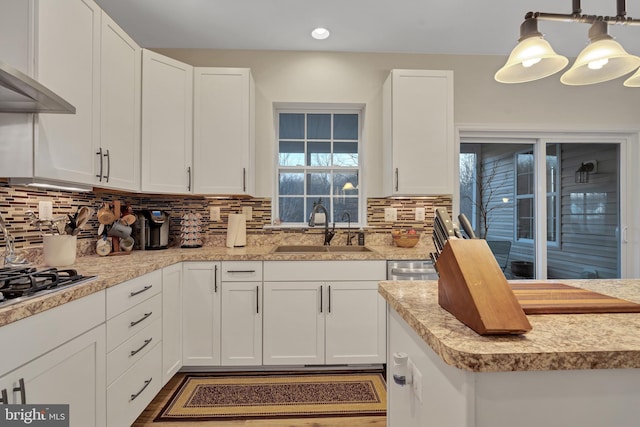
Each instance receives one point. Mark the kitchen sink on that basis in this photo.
(320, 249)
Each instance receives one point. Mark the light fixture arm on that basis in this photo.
(577, 16)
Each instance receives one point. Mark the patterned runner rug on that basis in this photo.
(266, 395)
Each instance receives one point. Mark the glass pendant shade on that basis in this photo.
(602, 60)
(532, 59)
(633, 81)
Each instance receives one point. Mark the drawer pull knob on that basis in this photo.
(146, 288)
(146, 384)
(146, 343)
(134, 323)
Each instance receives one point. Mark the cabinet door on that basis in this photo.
(171, 321)
(68, 63)
(167, 111)
(293, 325)
(118, 158)
(223, 131)
(72, 374)
(418, 132)
(201, 314)
(355, 323)
(241, 336)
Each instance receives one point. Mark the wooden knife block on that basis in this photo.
(473, 288)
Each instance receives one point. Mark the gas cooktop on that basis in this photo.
(20, 283)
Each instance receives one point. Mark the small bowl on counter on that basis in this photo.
(405, 239)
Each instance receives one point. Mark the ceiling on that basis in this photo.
(487, 27)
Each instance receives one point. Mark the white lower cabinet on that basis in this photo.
(134, 347)
(201, 314)
(323, 312)
(241, 313)
(171, 321)
(66, 360)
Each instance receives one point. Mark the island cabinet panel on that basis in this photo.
(447, 396)
(201, 299)
(418, 137)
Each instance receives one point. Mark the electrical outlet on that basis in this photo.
(45, 210)
(416, 384)
(248, 212)
(390, 214)
(420, 212)
(214, 213)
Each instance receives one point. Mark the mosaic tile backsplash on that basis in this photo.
(15, 201)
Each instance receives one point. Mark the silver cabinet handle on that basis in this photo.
(397, 180)
(241, 271)
(257, 299)
(215, 278)
(146, 288)
(4, 400)
(99, 154)
(108, 156)
(23, 391)
(244, 180)
(321, 298)
(329, 298)
(146, 384)
(189, 178)
(135, 322)
(146, 343)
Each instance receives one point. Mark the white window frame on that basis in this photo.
(320, 108)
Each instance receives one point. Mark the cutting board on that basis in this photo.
(558, 298)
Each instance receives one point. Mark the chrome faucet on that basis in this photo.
(349, 236)
(328, 235)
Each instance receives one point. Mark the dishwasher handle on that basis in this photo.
(400, 270)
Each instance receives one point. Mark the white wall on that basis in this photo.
(358, 77)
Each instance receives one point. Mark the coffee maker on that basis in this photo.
(151, 229)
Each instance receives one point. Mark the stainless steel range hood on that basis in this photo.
(19, 93)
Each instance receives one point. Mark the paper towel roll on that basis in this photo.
(236, 230)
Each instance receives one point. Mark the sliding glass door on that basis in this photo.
(539, 215)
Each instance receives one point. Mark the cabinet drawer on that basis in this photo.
(132, 392)
(132, 350)
(129, 323)
(242, 271)
(125, 295)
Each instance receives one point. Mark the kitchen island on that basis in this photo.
(569, 370)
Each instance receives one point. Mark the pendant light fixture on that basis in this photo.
(602, 60)
(532, 59)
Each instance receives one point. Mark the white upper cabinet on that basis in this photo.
(67, 35)
(224, 141)
(167, 125)
(418, 140)
(118, 155)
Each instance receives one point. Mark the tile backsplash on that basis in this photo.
(15, 201)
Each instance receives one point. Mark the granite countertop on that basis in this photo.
(556, 342)
(113, 270)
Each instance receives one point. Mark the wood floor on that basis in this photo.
(146, 418)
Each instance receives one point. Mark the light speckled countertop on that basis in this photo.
(556, 342)
(112, 270)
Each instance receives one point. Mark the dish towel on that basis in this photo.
(236, 231)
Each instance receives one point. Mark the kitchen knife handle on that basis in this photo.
(23, 391)
(108, 156)
(99, 154)
(466, 226)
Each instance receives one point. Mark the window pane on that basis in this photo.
(345, 126)
(325, 202)
(345, 204)
(319, 126)
(291, 183)
(319, 183)
(319, 154)
(551, 219)
(291, 209)
(525, 173)
(291, 126)
(468, 191)
(525, 218)
(291, 153)
(345, 154)
(345, 183)
(552, 168)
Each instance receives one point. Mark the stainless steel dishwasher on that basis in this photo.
(411, 270)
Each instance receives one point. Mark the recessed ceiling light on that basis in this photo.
(320, 33)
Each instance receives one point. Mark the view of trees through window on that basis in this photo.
(318, 159)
